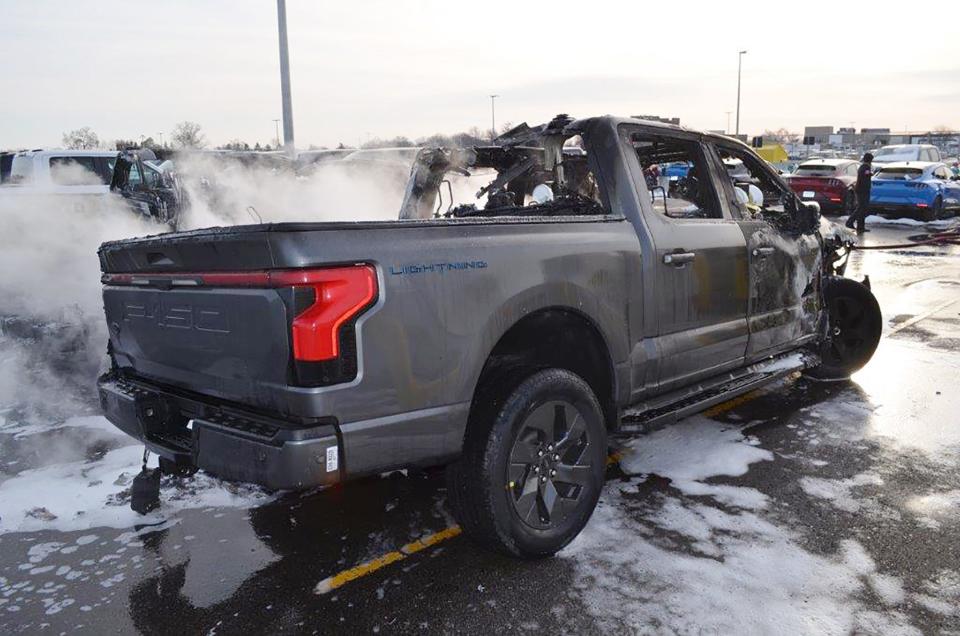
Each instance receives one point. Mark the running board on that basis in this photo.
(667, 409)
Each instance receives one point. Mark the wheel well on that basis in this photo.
(554, 338)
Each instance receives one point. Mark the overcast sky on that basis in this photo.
(370, 68)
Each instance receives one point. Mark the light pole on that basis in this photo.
(727, 129)
(276, 124)
(493, 117)
(285, 79)
(161, 138)
(739, 66)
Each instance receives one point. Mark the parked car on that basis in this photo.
(87, 181)
(922, 189)
(829, 182)
(906, 152)
(504, 338)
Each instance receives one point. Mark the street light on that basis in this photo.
(493, 118)
(285, 98)
(739, 66)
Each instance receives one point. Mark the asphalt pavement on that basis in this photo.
(804, 508)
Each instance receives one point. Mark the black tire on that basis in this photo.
(849, 203)
(936, 210)
(508, 491)
(854, 328)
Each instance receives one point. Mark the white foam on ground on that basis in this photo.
(693, 450)
(839, 492)
(702, 569)
(82, 495)
(724, 564)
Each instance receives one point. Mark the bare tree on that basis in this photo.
(187, 134)
(943, 129)
(781, 136)
(81, 139)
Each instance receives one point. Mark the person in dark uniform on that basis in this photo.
(864, 174)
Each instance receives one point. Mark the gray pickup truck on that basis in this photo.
(580, 294)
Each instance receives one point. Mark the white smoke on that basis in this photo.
(52, 329)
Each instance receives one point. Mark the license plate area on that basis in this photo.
(809, 194)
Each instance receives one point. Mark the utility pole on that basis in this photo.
(161, 139)
(727, 129)
(493, 118)
(739, 67)
(285, 79)
(276, 125)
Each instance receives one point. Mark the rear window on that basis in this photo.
(818, 169)
(902, 174)
(75, 171)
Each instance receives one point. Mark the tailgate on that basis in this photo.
(223, 342)
(224, 312)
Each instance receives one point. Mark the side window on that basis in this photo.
(925, 155)
(754, 187)
(677, 177)
(151, 177)
(134, 179)
(74, 171)
(852, 169)
(935, 154)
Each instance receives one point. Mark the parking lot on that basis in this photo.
(804, 507)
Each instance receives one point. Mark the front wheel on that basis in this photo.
(854, 326)
(532, 467)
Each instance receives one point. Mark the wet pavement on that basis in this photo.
(809, 508)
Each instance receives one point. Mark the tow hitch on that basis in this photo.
(145, 491)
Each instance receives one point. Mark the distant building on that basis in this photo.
(871, 137)
(820, 134)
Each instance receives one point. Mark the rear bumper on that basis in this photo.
(225, 442)
(822, 198)
(898, 207)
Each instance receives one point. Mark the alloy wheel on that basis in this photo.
(549, 469)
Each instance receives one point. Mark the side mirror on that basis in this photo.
(808, 216)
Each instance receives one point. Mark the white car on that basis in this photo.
(906, 152)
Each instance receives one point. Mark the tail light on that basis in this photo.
(339, 294)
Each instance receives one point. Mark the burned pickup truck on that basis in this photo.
(503, 336)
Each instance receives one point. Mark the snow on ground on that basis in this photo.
(719, 558)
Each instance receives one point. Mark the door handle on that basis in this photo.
(762, 252)
(678, 259)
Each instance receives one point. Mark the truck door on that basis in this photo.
(700, 260)
(783, 265)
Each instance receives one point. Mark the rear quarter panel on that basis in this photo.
(449, 292)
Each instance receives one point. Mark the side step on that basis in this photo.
(667, 409)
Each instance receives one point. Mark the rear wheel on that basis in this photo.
(532, 466)
(854, 327)
(849, 203)
(936, 210)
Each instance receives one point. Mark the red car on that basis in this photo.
(829, 182)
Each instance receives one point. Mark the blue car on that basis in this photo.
(926, 190)
(676, 170)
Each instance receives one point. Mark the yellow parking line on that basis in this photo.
(333, 582)
(731, 404)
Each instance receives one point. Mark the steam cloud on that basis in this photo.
(52, 332)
